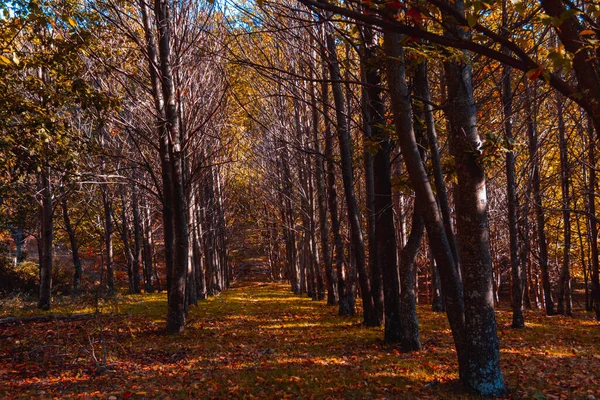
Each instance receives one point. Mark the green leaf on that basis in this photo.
(472, 20)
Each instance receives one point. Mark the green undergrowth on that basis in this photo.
(260, 341)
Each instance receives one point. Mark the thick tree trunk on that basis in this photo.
(176, 308)
(481, 372)
(370, 315)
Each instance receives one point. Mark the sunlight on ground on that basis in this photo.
(261, 341)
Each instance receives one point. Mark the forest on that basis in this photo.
(299, 199)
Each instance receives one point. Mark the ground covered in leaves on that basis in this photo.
(258, 340)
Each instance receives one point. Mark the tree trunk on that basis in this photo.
(47, 236)
(565, 300)
(176, 307)
(147, 250)
(481, 372)
(108, 243)
(518, 320)
(592, 221)
(410, 338)
(373, 129)
(421, 83)
(401, 107)
(73, 242)
(332, 294)
(370, 315)
(534, 160)
(137, 239)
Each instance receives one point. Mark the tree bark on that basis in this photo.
(518, 320)
(410, 338)
(373, 123)
(47, 237)
(332, 294)
(78, 270)
(534, 160)
(565, 299)
(369, 315)
(592, 221)
(176, 307)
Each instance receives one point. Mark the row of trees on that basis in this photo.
(369, 136)
(112, 119)
(350, 134)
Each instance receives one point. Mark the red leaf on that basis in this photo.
(414, 14)
(127, 394)
(394, 4)
(535, 74)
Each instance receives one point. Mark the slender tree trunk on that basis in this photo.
(565, 300)
(534, 160)
(421, 83)
(410, 340)
(346, 296)
(401, 107)
(126, 245)
(166, 196)
(332, 294)
(47, 237)
(373, 122)
(518, 320)
(73, 242)
(370, 316)
(137, 239)
(592, 221)
(108, 243)
(147, 249)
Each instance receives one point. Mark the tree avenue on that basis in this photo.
(376, 155)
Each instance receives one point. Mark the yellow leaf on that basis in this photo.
(72, 22)
(5, 61)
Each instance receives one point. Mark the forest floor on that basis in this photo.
(258, 340)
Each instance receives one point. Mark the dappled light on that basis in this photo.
(238, 345)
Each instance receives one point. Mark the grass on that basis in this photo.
(260, 341)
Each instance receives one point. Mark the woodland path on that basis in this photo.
(258, 340)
